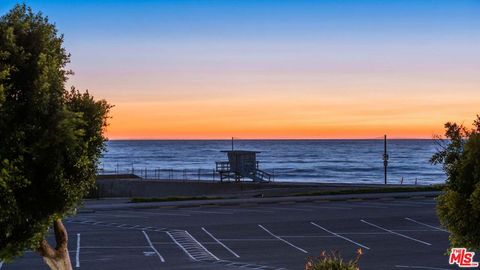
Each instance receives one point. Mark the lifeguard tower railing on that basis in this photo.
(225, 172)
(150, 173)
(224, 166)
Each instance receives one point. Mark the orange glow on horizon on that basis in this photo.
(284, 119)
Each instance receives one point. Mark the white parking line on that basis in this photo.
(117, 225)
(181, 246)
(208, 212)
(346, 233)
(251, 210)
(385, 204)
(281, 239)
(430, 226)
(157, 214)
(326, 207)
(336, 234)
(401, 204)
(113, 247)
(365, 205)
(363, 233)
(77, 255)
(153, 248)
(289, 209)
(222, 244)
(417, 203)
(194, 249)
(245, 265)
(420, 267)
(396, 233)
(306, 236)
(115, 216)
(247, 239)
(424, 203)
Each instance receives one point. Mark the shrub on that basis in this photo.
(333, 261)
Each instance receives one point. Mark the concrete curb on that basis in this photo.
(256, 201)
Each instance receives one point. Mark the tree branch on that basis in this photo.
(46, 250)
(61, 236)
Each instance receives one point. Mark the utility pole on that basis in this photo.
(232, 143)
(385, 157)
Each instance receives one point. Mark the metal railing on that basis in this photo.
(173, 174)
(164, 174)
(264, 176)
(222, 166)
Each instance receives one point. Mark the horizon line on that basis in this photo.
(265, 139)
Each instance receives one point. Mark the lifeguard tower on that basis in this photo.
(241, 164)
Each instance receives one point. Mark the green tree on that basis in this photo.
(459, 206)
(50, 138)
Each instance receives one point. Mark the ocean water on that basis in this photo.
(346, 161)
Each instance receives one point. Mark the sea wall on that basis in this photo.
(164, 188)
(133, 186)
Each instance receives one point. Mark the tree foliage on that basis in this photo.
(50, 138)
(459, 206)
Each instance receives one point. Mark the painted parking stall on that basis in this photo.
(262, 236)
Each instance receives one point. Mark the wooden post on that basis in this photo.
(385, 157)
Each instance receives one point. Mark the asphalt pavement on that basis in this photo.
(393, 234)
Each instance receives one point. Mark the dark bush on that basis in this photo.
(459, 206)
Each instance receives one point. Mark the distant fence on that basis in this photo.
(210, 175)
(166, 174)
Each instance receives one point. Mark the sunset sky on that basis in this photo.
(274, 69)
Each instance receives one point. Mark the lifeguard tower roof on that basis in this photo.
(241, 151)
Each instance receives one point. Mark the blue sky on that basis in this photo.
(266, 20)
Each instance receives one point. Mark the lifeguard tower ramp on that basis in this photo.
(241, 164)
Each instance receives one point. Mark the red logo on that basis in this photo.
(462, 258)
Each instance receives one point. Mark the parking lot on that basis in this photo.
(394, 234)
